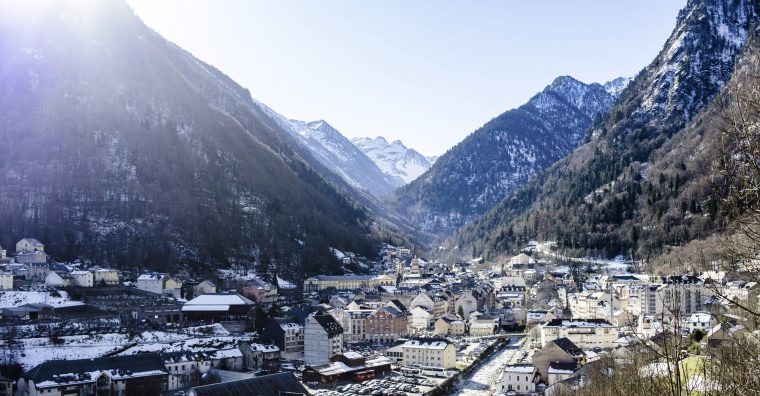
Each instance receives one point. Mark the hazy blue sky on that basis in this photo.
(426, 72)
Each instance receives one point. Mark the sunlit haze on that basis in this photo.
(428, 73)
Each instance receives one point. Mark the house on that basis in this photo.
(395, 353)
(152, 282)
(173, 287)
(347, 366)
(105, 276)
(185, 368)
(521, 258)
(481, 328)
(260, 291)
(699, 321)
(587, 333)
(429, 352)
(286, 334)
(420, 318)
(140, 375)
(260, 356)
(561, 350)
(59, 279)
(323, 339)
(6, 281)
(82, 278)
(449, 324)
(273, 384)
(204, 287)
(465, 304)
(519, 378)
(29, 245)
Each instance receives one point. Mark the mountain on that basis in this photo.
(341, 156)
(615, 87)
(502, 155)
(118, 146)
(400, 163)
(647, 183)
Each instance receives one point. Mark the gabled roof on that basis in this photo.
(331, 326)
(32, 242)
(568, 346)
(273, 384)
(56, 372)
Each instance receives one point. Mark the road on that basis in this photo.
(483, 379)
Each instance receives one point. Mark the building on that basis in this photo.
(29, 245)
(449, 325)
(59, 279)
(385, 325)
(588, 333)
(138, 375)
(260, 291)
(152, 282)
(683, 294)
(478, 328)
(231, 309)
(347, 366)
(204, 287)
(288, 335)
(559, 351)
(347, 282)
(520, 379)
(82, 278)
(465, 304)
(420, 318)
(6, 281)
(273, 384)
(260, 356)
(323, 339)
(105, 276)
(430, 352)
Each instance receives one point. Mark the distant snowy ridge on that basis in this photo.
(399, 162)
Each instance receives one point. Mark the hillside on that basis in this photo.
(121, 147)
(503, 155)
(647, 180)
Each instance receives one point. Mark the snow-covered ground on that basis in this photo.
(14, 298)
(483, 379)
(37, 350)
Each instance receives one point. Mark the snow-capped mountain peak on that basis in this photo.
(616, 86)
(399, 162)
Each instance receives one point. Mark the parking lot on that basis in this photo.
(393, 384)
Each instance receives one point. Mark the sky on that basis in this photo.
(425, 72)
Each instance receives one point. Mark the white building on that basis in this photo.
(152, 282)
(82, 278)
(430, 352)
(6, 281)
(29, 245)
(466, 304)
(323, 339)
(56, 279)
(699, 321)
(519, 378)
(420, 318)
(588, 333)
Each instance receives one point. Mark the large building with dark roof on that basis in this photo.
(323, 339)
(138, 375)
(274, 384)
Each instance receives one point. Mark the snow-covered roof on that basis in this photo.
(520, 368)
(219, 299)
(427, 343)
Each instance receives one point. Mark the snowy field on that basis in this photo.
(483, 379)
(34, 351)
(14, 298)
